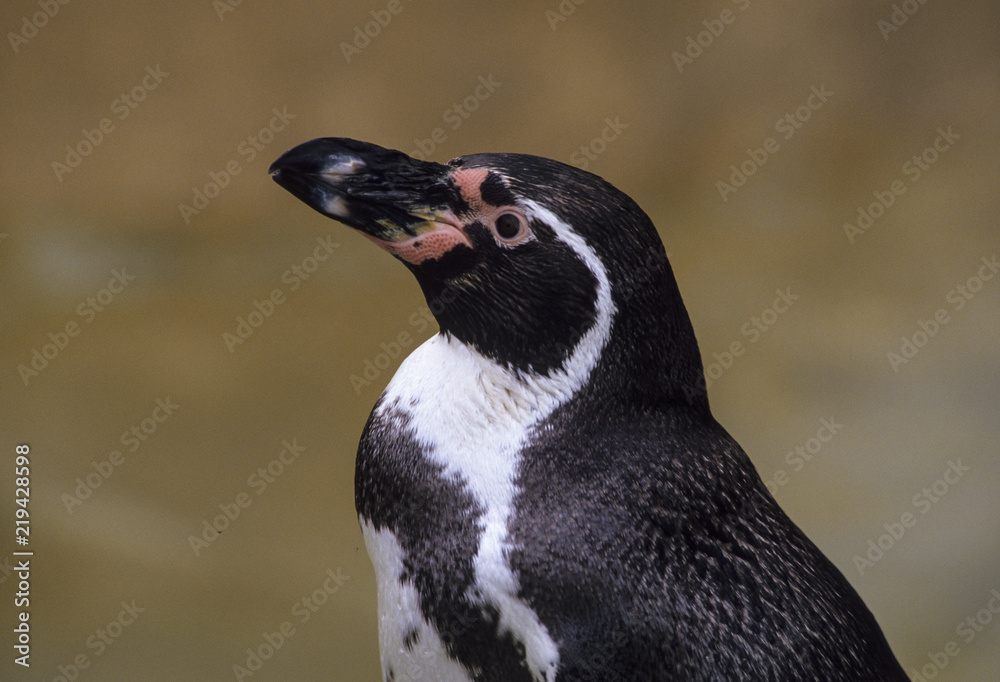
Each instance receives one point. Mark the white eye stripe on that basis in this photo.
(588, 350)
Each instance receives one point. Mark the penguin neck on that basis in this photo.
(651, 361)
(640, 354)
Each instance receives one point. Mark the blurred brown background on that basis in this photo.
(186, 89)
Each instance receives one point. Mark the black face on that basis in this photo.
(494, 276)
(508, 248)
(521, 297)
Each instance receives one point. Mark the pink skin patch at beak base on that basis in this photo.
(469, 181)
(431, 245)
(445, 236)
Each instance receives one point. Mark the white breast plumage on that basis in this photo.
(473, 417)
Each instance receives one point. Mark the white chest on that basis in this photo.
(473, 417)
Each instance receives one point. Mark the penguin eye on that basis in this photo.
(510, 227)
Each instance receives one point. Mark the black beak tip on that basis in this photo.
(303, 158)
(284, 166)
(282, 173)
(363, 185)
(319, 156)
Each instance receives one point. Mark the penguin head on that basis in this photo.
(522, 258)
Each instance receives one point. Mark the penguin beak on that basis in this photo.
(404, 205)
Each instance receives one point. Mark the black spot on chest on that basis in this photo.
(435, 518)
(397, 486)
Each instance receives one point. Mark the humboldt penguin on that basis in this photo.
(542, 488)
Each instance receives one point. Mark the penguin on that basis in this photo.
(543, 491)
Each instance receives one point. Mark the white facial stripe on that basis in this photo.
(588, 351)
(474, 416)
